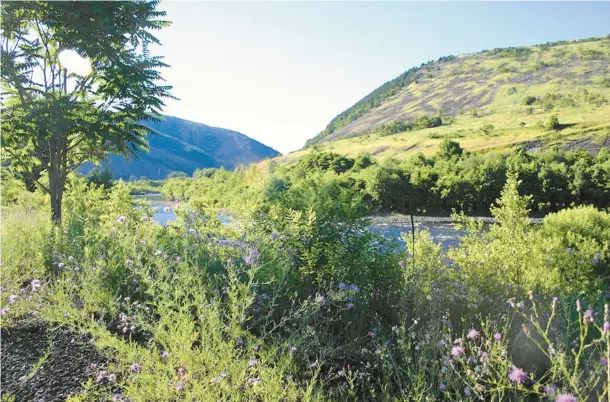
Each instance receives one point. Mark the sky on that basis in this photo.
(280, 71)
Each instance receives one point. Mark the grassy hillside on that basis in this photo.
(184, 146)
(515, 90)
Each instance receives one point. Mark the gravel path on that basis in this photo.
(67, 365)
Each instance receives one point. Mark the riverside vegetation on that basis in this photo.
(293, 299)
(298, 301)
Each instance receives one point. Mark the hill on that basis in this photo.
(182, 145)
(494, 98)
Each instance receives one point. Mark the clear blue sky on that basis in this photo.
(279, 72)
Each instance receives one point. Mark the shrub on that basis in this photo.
(487, 128)
(529, 100)
(553, 123)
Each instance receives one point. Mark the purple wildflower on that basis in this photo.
(442, 387)
(180, 387)
(517, 375)
(473, 334)
(293, 349)
(350, 306)
(569, 250)
(550, 390)
(342, 286)
(606, 327)
(36, 284)
(321, 300)
(498, 337)
(254, 381)
(117, 397)
(457, 351)
(12, 298)
(566, 398)
(354, 288)
(274, 236)
(578, 306)
(121, 219)
(340, 373)
(603, 361)
(136, 367)
(252, 257)
(588, 317)
(252, 363)
(164, 354)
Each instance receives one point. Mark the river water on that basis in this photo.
(442, 233)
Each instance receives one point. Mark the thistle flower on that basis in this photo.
(135, 367)
(498, 337)
(274, 236)
(566, 398)
(606, 327)
(179, 387)
(293, 349)
(253, 381)
(354, 288)
(12, 299)
(252, 363)
(117, 397)
(36, 284)
(457, 351)
(342, 286)
(517, 375)
(588, 316)
(340, 373)
(252, 257)
(603, 361)
(473, 334)
(350, 306)
(550, 390)
(442, 388)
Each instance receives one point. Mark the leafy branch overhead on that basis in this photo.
(56, 116)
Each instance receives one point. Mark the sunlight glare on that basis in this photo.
(75, 63)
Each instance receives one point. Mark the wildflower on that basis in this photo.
(274, 236)
(606, 327)
(354, 288)
(588, 317)
(596, 257)
(498, 337)
(321, 300)
(565, 398)
(517, 375)
(135, 367)
(121, 219)
(293, 349)
(471, 359)
(111, 377)
(252, 257)
(457, 351)
(254, 381)
(178, 259)
(181, 371)
(350, 306)
(340, 373)
(442, 388)
(158, 252)
(61, 265)
(550, 390)
(100, 376)
(531, 293)
(215, 380)
(569, 250)
(36, 284)
(252, 363)
(467, 391)
(578, 306)
(342, 286)
(179, 387)
(12, 298)
(128, 262)
(473, 334)
(117, 397)
(555, 301)
(401, 263)
(603, 361)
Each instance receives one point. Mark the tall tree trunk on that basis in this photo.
(56, 185)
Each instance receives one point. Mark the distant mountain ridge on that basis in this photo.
(183, 145)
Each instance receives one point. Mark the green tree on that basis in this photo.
(487, 128)
(553, 123)
(79, 83)
(449, 149)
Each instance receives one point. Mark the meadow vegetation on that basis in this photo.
(299, 301)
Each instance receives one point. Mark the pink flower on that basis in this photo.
(36, 284)
(4, 311)
(252, 363)
(473, 334)
(293, 349)
(517, 375)
(566, 398)
(588, 317)
(121, 219)
(136, 367)
(498, 336)
(603, 361)
(457, 351)
(606, 327)
(12, 298)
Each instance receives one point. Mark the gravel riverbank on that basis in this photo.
(405, 220)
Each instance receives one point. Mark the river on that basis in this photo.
(443, 232)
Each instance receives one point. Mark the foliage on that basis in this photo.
(553, 123)
(51, 122)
